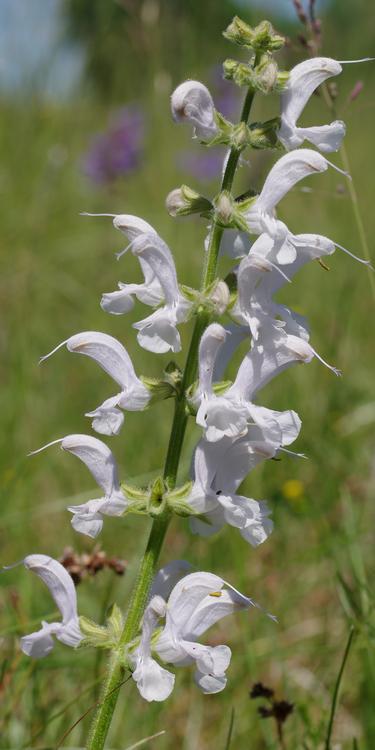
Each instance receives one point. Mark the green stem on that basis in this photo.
(147, 570)
(327, 745)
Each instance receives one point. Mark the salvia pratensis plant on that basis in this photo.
(170, 609)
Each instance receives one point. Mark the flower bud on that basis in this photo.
(240, 136)
(224, 205)
(239, 32)
(184, 201)
(266, 74)
(265, 38)
(241, 73)
(192, 102)
(220, 297)
(262, 37)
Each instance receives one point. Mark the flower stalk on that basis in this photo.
(102, 720)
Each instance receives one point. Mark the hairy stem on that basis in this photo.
(148, 565)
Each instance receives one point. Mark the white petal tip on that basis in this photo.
(87, 213)
(10, 567)
(39, 450)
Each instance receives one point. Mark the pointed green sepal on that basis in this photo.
(265, 134)
(156, 501)
(159, 389)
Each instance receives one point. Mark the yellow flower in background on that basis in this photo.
(293, 490)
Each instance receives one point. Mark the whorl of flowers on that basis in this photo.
(235, 432)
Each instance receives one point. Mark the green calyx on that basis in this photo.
(263, 75)
(265, 134)
(184, 201)
(228, 212)
(102, 636)
(160, 389)
(261, 38)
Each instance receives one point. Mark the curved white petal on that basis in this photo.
(98, 458)
(158, 256)
(212, 660)
(288, 170)
(188, 593)
(327, 138)
(87, 524)
(211, 342)
(153, 681)
(167, 577)
(217, 603)
(158, 332)
(249, 516)
(192, 102)
(120, 301)
(58, 581)
(110, 354)
(303, 80)
(209, 683)
(132, 226)
(222, 417)
(40, 643)
(107, 419)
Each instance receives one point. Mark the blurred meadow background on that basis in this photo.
(85, 126)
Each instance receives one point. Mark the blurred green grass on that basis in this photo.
(54, 267)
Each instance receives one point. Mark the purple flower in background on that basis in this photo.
(203, 165)
(226, 96)
(118, 150)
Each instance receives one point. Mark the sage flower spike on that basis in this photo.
(158, 332)
(100, 461)
(219, 469)
(197, 602)
(192, 102)
(303, 80)
(283, 176)
(112, 356)
(62, 590)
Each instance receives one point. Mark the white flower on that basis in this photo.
(114, 359)
(196, 603)
(100, 461)
(229, 415)
(258, 278)
(62, 590)
(158, 332)
(303, 80)
(283, 176)
(192, 102)
(219, 469)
